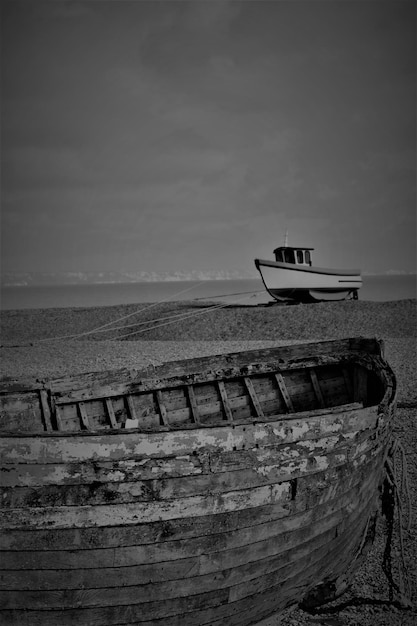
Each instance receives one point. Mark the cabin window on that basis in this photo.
(300, 257)
(289, 256)
(308, 257)
(278, 256)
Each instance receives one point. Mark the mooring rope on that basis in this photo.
(119, 319)
(392, 502)
(222, 295)
(184, 317)
(172, 318)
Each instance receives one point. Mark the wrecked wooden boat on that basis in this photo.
(213, 491)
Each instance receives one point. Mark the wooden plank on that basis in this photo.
(110, 413)
(253, 397)
(184, 529)
(235, 388)
(58, 420)
(83, 415)
(237, 571)
(131, 407)
(46, 412)
(68, 422)
(326, 485)
(22, 475)
(261, 539)
(111, 615)
(129, 513)
(218, 556)
(304, 572)
(161, 407)
(298, 568)
(316, 387)
(193, 404)
(281, 384)
(237, 404)
(266, 597)
(294, 464)
(225, 401)
(20, 412)
(213, 553)
(235, 579)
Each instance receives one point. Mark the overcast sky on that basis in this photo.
(190, 135)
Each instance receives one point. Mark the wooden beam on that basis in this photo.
(131, 406)
(284, 392)
(253, 397)
(316, 387)
(46, 412)
(83, 415)
(110, 413)
(161, 407)
(225, 400)
(193, 404)
(58, 417)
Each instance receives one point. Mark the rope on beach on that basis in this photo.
(222, 295)
(177, 317)
(392, 501)
(181, 317)
(119, 319)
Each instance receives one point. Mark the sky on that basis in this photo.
(172, 135)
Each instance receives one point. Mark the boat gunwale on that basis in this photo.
(253, 421)
(285, 354)
(371, 361)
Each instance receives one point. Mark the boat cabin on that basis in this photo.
(297, 256)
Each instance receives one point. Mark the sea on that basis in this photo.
(247, 292)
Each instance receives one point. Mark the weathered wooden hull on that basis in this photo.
(227, 501)
(286, 281)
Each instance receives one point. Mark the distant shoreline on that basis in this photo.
(375, 288)
(22, 283)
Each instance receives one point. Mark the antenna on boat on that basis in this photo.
(286, 238)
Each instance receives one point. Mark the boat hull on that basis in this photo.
(286, 281)
(222, 522)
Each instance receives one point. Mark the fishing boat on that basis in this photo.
(211, 491)
(293, 277)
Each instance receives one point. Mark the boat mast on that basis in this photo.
(286, 238)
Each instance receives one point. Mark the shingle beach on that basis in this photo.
(29, 350)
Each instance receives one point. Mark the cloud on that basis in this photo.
(69, 9)
(179, 124)
(33, 167)
(211, 15)
(389, 162)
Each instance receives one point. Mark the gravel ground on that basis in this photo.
(195, 321)
(214, 331)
